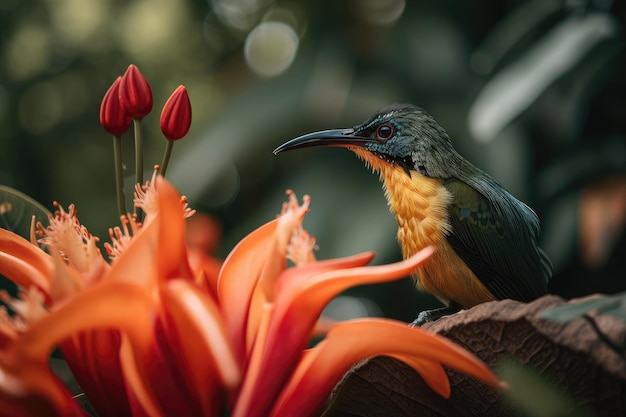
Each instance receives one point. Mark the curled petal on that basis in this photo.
(22, 273)
(238, 278)
(24, 263)
(102, 306)
(263, 314)
(351, 341)
(98, 307)
(432, 373)
(172, 253)
(158, 251)
(16, 246)
(299, 302)
(205, 331)
(253, 266)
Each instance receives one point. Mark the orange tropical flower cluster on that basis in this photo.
(154, 334)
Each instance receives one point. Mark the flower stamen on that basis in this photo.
(121, 237)
(300, 248)
(187, 211)
(145, 195)
(27, 308)
(71, 239)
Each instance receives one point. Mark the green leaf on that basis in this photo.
(612, 305)
(17, 210)
(534, 395)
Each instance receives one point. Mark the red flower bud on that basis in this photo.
(176, 115)
(135, 93)
(113, 116)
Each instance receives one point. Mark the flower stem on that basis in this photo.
(166, 156)
(119, 178)
(138, 159)
(138, 151)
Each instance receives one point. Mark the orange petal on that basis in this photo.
(115, 306)
(244, 405)
(21, 248)
(136, 381)
(238, 277)
(24, 263)
(112, 306)
(137, 264)
(352, 341)
(322, 326)
(294, 276)
(157, 252)
(94, 361)
(206, 270)
(432, 373)
(249, 273)
(298, 305)
(172, 255)
(35, 391)
(204, 330)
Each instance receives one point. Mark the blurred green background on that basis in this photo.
(532, 92)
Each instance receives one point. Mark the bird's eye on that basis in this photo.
(385, 131)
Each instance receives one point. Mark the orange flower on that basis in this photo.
(152, 334)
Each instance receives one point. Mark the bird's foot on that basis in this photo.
(435, 314)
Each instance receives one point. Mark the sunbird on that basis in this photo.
(485, 240)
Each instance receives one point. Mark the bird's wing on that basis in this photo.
(497, 239)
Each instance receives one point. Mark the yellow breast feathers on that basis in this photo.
(420, 205)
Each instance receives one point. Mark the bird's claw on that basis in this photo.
(432, 315)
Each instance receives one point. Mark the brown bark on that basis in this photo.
(586, 365)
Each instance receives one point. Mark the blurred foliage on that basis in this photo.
(262, 71)
(613, 305)
(17, 211)
(534, 395)
(16, 214)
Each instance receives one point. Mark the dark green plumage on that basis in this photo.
(498, 242)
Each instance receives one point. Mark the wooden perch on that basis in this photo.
(573, 356)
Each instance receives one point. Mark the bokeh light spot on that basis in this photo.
(238, 14)
(271, 48)
(27, 52)
(380, 12)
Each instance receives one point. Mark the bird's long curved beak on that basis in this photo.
(333, 137)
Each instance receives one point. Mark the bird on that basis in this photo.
(486, 241)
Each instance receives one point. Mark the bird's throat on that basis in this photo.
(419, 203)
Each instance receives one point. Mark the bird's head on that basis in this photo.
(401, 134)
